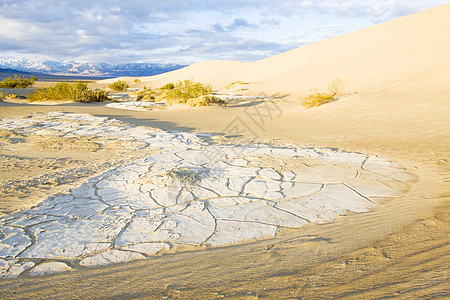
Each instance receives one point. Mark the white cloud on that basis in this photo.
(176, 30)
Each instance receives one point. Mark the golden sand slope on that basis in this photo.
(380, 55)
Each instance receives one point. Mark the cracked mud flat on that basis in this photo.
(184, 193)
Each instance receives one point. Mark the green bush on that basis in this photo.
(119, 85)
(17, 82)
(316, 99)
(74, 91)
(182, 91)
(205, 100)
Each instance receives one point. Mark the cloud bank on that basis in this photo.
(185, 31)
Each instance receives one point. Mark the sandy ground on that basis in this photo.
(399, 250)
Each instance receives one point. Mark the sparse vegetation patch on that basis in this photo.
(182, 91)
(97, 95)
(119, 85)
(316, 98)
(65, 91)
(168, 86)
(147, 94)
(17, 82)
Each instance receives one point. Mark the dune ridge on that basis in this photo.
(366, 58)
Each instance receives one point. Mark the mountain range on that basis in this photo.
(74, 68)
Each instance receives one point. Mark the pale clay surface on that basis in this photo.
(136, 105)
(149, 105)
(189, 193)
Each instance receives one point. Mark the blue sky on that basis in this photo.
(182, 31)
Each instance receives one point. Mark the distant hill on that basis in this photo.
(11, 72)
(73, 68)
(5, 73)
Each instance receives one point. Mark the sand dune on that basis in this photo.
(367, 59)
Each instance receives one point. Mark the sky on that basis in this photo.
(182, 31)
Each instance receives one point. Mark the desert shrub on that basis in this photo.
(136, 80)
(316, 99)
(60, 91)
(182, 91)
(119, 85)
(17, 82)
(98, 95)
(168, 86)
(147, 94)
(205, 100)
(2, 96)
(74, 91)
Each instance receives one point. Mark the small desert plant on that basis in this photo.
(17, 82)
(119, 85)
(136, 80)
(2, 96)
(98, 95)
(205, 100)
(316, 99)
(168, 86)
(336, 87)
(147, 94)
(182, 91)
(74, 91)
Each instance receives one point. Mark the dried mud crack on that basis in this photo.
(176, 196)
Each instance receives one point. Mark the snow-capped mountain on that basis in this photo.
(69, 67)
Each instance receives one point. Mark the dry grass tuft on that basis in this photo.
(316, 98)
